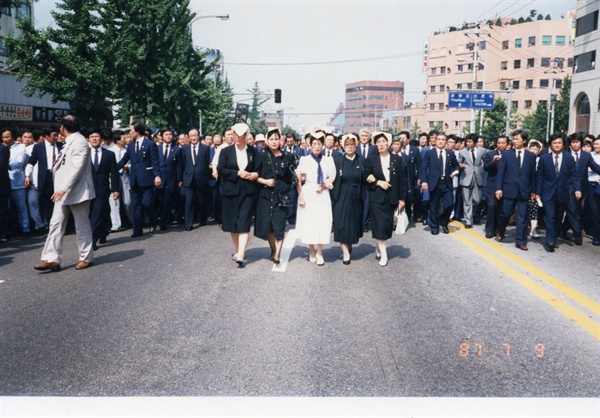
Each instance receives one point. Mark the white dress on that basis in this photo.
(314, 220)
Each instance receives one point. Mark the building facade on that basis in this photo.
(366, 102)
(585, 87)
(531, 59)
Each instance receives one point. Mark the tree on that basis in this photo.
(499, 22)
(220, 98)
(535, 123)
(521, 20)
(415, 129)
(65, 61)
(561, 108)
(547, 17)
(494, 121)
(532, 13)
(287, 129)
(540, 17)
(256, 122)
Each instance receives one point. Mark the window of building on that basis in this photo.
(515, 84)
(469, 86)
(431, 125)
(442, 70)
(440, 106)
(570, 62)
(459, 86)
(460, 68)
(432, 89)
(504, 44)
(530, 62)
(480, 85)
(587, 24)
(558, 83)
(545, 62)
(431, 106)
(470, 67)
(5, 10)
(517, 64)
(4, 52)
(528, 84)
(457, 124)
(504, 65)
(24, 10)
(547, 40)
(528, 104)
(518, 43)
(585, 62)
(560, 40)
(433, 71)
(531, 41)
(515, 105)
(482, 45)
(442, 88)
(559, 62)
(503, 85)
(544, 83)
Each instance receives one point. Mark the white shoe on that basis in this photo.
(383, 262)
(312, 259)
(320, 260)
(377, 255)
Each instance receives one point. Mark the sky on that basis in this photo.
(312, 49)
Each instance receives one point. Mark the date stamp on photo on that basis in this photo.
(477, 349)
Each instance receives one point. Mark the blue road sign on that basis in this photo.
(470, 100)
(482, 100)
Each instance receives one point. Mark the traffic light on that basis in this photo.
(277, 95)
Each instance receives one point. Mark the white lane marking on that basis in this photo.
(2, 281)
(286, 251)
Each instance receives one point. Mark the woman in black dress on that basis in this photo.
(348, 197)
(384, 175)
(237, 171)
(276, 175)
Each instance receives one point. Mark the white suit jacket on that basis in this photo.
(73, 171)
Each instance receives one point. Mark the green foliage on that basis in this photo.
(521, 20)
(535, 123)
(540, 17)
(499, 22)
(287, 129)
(547, 17)
(415, 129)
(532, 13)
(513, 22)
(220, 96)
(256, 122)
(561, 108)
(494, 120)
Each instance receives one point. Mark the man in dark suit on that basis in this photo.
(144, 175)
(437, 170)
(366, 149)
(328, 149)
(556, 179)
(104, 168)
(195, 175)
(491, 160)
(413, 163)
(4, 192)
(44, 154)
(169, 162)
(583, 162)
(515, 184)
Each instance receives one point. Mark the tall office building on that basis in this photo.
(366, 101)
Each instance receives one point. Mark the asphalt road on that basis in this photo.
(171, 315)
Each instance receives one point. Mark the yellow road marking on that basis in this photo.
(545, 277)
(570, 312)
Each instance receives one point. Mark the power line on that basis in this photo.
(279, 64)
(487, 11)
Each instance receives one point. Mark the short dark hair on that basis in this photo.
(556, 136)
(423, 134)
(13, 132)
(575, 137)
(71, 123)
(139, 127)
(406, 133)
(433, 132)
(522, 133)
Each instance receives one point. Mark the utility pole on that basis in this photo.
(475, 44)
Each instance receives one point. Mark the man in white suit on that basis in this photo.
(471, 177)
(73, 191)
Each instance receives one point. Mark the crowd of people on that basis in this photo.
(322, 183)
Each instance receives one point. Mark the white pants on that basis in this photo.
(115, 212)
(52, 251)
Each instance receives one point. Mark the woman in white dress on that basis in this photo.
(316, 173)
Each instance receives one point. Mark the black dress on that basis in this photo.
(270, 215)
(348, 200)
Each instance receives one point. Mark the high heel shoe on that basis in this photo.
(346, 262)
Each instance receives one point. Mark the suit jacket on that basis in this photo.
(514, 181)
(360, 162)
(39, 157)
(413, 163)
(143, 166)
(492, 169)
(170, 168)
(73, 171)
(550, 186)
(431, 170)
(335, 153)
(472, 170)
(296, 150)
(372, 150)
(4, 179)
(585, 161)
(376, 193)
(227, 167)
(107, 169)
(200, 173)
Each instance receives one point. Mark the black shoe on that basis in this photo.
(596, 243)
(489, 235)
(578, 242)
(434, 232)
(102, 240)
(95, 245)
(241, 263)
(549, 247)
(445, 230)
(163, 228)
(468, 226)
(136, 234)
(153, 229)
(189, 228)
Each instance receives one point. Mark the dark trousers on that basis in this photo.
(494, 207)
(165, 199)
(593, 203)
(508, 208)
(442, 194)
(4, 214)
(196, 197)
(573, 218)
(142, 198)
(217, 201)
(554, 214)
(366, 211)
(100, 217)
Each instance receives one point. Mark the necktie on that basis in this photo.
(329, 153)
(137, 146)
(166, 151)
(473, 155)
(194, 155)
(519, 158)
(576, 159)
(53, 154)
(441, 159)
(96, 161)
(556, 168)
(364, 150)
